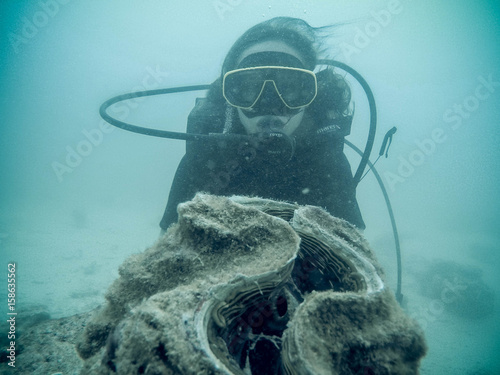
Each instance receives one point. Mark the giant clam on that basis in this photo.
(252, 286)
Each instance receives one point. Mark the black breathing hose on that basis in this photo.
(399, 293)
(365, 157)
(147, 131)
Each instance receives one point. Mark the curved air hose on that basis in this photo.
(373, 115)
(365, 155)
(399, 294)
(147, 131)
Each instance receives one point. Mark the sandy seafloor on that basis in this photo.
(69, 235)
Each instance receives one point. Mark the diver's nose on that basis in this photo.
(270, 98)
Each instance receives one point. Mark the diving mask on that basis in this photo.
(242, 88)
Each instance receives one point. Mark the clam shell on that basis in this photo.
(252, 286)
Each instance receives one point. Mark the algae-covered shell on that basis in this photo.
(245, 328)
(252, 286)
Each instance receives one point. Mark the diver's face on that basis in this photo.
(270, 113)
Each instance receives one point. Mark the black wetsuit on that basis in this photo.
(317, 174)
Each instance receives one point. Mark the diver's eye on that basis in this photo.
(291, 89)
(249, 91)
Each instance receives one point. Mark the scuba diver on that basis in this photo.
(273, 125)
(294, 119)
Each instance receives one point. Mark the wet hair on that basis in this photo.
(333, 99)
(294, 32)
(334, 93)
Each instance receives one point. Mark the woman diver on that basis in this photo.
(295, 121)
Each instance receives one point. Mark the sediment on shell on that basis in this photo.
(251, 286)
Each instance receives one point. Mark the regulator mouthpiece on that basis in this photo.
(276, 146)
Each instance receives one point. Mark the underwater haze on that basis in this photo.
(79, 196)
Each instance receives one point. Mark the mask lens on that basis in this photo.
(296, 87)
(243, 87)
